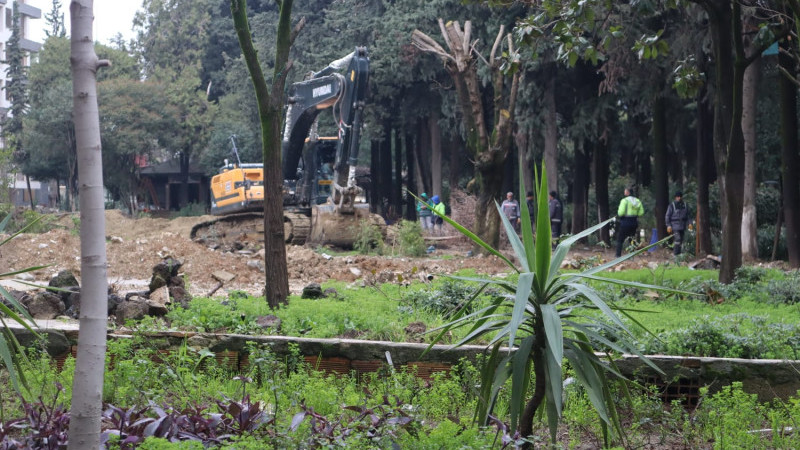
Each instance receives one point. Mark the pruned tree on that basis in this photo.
(487, 143)
(87, 388)
(270, 108)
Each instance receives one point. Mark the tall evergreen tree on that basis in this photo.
(55, 21)
(16, 92)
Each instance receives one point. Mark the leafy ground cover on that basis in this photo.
(751, 318)
(185, 401)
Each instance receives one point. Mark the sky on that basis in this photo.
(110, 17)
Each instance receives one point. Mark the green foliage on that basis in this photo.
(543, 315)
(784, 290)
(732, 336)
(10, 309)
(765, 238)
(729, 415)
(444, 299)
(410, 240)
(368, 238)
(191, 210)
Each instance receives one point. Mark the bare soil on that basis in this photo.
(135, 245)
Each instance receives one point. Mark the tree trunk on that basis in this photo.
(30, 193)
(411, 203)
(397, 192)
(456, 144)
(184, 189)
(551, 132)
(600, 173)
(749, 114)
(524, 160)
(790, 162)
(386, 172)
(725, 23)
(579, 185)
(661, 183)
(87, 390)
(421, 154)
(436, 153)
(374, 177)
(270, 107)
(704, 152)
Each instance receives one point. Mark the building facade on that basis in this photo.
(28, 15)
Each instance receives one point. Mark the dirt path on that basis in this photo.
(136, 245)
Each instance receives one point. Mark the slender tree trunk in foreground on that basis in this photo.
(85, 413)
(270, 107)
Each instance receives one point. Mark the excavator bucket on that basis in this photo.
(331, 227)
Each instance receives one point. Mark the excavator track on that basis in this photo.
(238, 230)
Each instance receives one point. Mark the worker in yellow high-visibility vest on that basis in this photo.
(628, 213)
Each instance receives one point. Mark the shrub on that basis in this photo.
(368, 238)
(409, 237)
(730, 336)
(785, 290)
(191, 210)
(765, 238)
(446, 299)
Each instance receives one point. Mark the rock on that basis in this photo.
(160, 296)
(116, 240)
(113, 302)
(42, 246)
(255, 265)
(223, 276)
(156, 283)
(269, 322)
(25, 277)
(313, 290)
(63, 279)
(355, 271)
(73, 304)
(45, 305)
(331, 292)
(327, 256)
(156, 309)
(415, 330)
(55, 342)
(134, 308)
(652, 265)
(180, 296)
(176, 281)
(164, 271)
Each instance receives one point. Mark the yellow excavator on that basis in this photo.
(322, 201)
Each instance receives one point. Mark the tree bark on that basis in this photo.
(87, 390)
(487, 146)
(551, 131)
(704, 165)
(661, 183)
(456, 144)
(436, 153)
(422, 157)
(397, 192)
(749, 114)
(374, 177)
(601, 173)
(270, 107)
(411, 203)
(790, 161)
(725, 24)
(579, 186)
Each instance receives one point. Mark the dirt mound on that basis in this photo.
(135, 245)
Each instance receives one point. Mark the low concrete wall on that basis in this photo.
(684, 375)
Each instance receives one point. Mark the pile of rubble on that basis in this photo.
(62, 297)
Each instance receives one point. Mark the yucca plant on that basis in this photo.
(11, 309)
(546, 317)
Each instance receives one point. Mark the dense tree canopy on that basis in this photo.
(611, 94)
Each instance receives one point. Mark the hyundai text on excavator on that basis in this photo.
(320, 193)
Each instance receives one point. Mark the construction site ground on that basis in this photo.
(135, 245)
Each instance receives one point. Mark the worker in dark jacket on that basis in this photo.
(556, 215)
(677, 219)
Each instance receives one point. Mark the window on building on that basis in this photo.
(9, 18)
(2, 10)
(2, 52)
